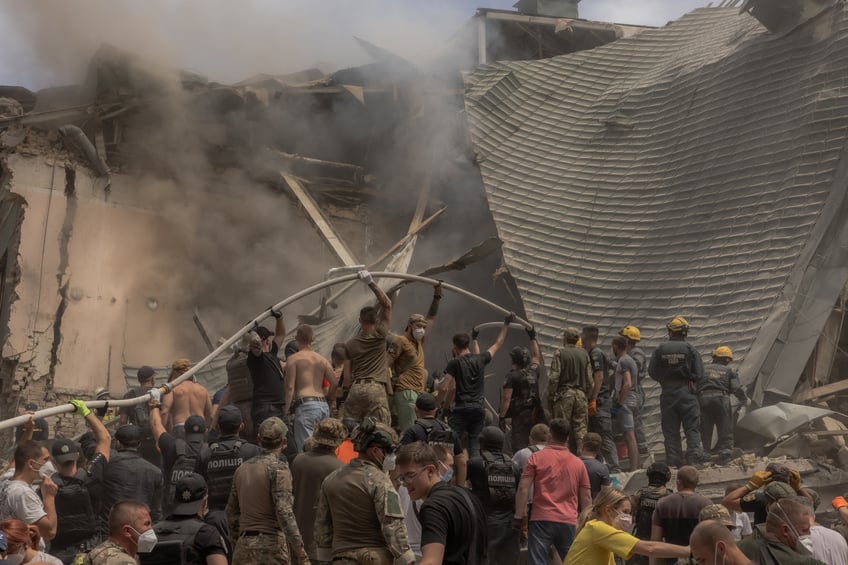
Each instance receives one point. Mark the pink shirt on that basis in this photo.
(558, 477)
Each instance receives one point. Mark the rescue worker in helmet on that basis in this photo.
(634, 336)
(677, 366)
(520, 399)
(720, 381)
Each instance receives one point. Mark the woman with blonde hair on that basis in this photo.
(603, 533)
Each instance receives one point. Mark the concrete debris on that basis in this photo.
(777, 420)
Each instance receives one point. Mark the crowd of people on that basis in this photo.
(369, 458)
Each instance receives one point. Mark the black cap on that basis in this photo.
(128, 434)
(145, 372)
(229, 416)
(291, 348)
(195, 425)
(264, 332)
(32, 406)
(188, 495)
(425, 402)
(64, 450)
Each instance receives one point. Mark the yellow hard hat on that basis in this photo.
(678, 324)
(631, 332)
(723, 351)
(579, 342)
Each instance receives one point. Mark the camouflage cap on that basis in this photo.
(571, 333)
(330, 432)
(272, 430)
(370, 432)
(416, 318)
(718, 513)
(777, 490)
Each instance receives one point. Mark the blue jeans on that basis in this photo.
(468, 419)
(306, 418)
(542, 535)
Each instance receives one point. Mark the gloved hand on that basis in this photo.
(517, 523)
(155, 395)
(758, 480)
(531, 333)
(475, 333)
(795, 480)
(276, 313)
(437, 290)
(839, 502)
(365, 277)
(80, 408)
(593, 407)
(509, 319)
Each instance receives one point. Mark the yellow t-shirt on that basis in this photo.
(596, 544)
(409, 356)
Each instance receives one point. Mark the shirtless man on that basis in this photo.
(188, 398)
(305, 374)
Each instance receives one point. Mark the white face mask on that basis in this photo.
(47, 470)
(146, 541)
(389, 462)
(804, 545)
(626, 521)
(418, 333)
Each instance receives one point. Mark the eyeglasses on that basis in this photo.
(409, 477)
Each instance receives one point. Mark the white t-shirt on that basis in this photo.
(829, 546)
(413, 526)
(741, 525)
(19, 500)
(522, 455)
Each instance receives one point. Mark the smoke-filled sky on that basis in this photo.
(48, 42)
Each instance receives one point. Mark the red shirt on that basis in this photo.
(557, 476)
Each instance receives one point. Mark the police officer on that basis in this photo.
(129, 477)
(645, 502)
(225, 456)
(600, 398)
(569, 385)
(520, 397)
(198, 542)
(494, 480)
(259, 512)
(714, 397)
(359, 518)
(677, 366)
(634, 336)
(78, 498)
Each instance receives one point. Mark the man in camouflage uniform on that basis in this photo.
(259, 513)
(128, 521)
(569, 383)
(366, 369)
(359, 518)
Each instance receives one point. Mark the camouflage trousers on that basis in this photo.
(570, 405)
(364, 556)
(367, 398)
(265, 548)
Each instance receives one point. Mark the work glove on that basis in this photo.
(475, 333)
(531, 333)
(276, 313)
(437, 290)
(758, 480)
(839, 502)
(593, 407)
(795, 480)
(365, 277)
(509, 319)
(80, 408)
(155, 395)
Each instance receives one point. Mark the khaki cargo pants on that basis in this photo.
(571, 405)
(364, 556)
(268, 549)
(367, 397)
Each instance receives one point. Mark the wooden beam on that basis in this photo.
(405, 238)
(316, 216)
(820, 391)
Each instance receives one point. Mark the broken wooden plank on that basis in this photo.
(828, 389)
(316, 216)
(403, 241)
(312, 168)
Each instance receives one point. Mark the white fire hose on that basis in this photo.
(166, 388)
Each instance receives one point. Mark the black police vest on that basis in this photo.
(225, 458)
(75, 513)
(185, 463)
(500, 478)
(648, 498)
(175, 543)
(238, 379)
(525, 394)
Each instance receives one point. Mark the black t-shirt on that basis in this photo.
(755, 502)
(267, 377)
(447, 519)
(416, 432)
(468, 371)
(601, 363)
(168, 448)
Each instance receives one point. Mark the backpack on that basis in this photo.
(527, 398)
(185, 463)
(500, 477)
(648, 498)
(77, 521)
(442, 436)
(141, 414)
(175, 543)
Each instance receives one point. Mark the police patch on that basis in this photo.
(186, 495)
(65, 448)
(393, 508)
(750, 497)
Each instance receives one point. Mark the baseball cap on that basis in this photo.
(425, 402)
(263, 332)
(128, 434)
(330, 432)
(777, 490)
(145, 373)
(272, 430)
(229, 416)
(571, 332)
(195, 425)
(718, 513)
(188, 494)
(64, 450)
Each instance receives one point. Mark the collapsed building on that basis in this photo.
(583, 173)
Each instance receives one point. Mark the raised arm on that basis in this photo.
(475, 345)
(101, 434)
(156, 425)
(502, 335)
(382, 298)
(434, 307)
(535, 352)
(279, 328)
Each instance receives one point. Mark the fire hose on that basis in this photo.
(168, 387)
